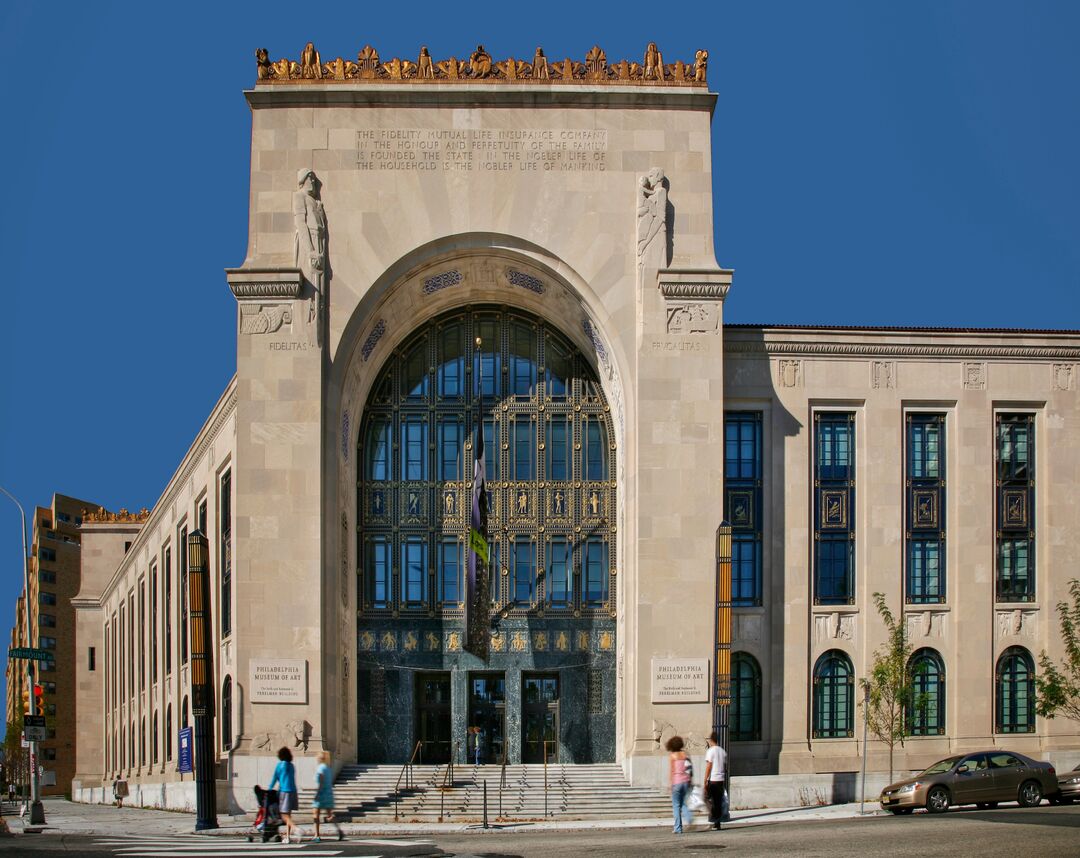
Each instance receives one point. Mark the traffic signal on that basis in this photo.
(26, 701)
(39, 692)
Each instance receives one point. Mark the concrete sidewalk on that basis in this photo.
(65, 817)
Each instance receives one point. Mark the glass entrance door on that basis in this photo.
(433, 717)
(487, 718)
(540, 717)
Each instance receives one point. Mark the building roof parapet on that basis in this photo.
(102, 515)
(480, 67)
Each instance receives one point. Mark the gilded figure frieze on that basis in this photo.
(651, 70)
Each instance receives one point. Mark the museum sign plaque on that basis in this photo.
(278, 680)
(680, 680)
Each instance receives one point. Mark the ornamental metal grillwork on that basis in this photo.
(834, 504)
(549, 455)
(1015, 507)
(925, 508)
(742, 503)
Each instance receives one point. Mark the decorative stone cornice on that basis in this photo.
(480, 67)
(682, 284)
(265, 282)
(94, 516)
(903, 350)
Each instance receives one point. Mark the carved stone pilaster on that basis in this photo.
(693, 299)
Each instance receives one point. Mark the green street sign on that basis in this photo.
(31, 653)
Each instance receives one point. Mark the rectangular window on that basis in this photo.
(414, 443)
(46, 577)
(487, 363)
(203, 520)
(225, 531)
(377, 573)
(1015, 507)
(166, 601)
(47, 554)
(91, 656)
(834, 508)
(522, 361)
(451, 375)
(558, 448)
(47, 598)
(377, 450)
(63, 516)
(414, 571)
(523, 559)
(924, 513)
(153, 623)
(559, 580)
(523, 442)
(142, 634)
(595, 569)
(594, 456)
(743, 503)
(46, 642)
(491, 451)
(47, 621)
(48, 666)
(450, 447)
(449, 571)
(183, 572)
(559, 367)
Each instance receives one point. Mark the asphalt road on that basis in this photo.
(1013, 832)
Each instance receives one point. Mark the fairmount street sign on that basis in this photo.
(30, 652)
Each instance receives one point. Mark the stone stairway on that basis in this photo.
(600, 791)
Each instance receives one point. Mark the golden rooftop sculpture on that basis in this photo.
(480, 67)
(94, 516)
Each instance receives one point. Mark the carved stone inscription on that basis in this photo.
(278, 680)
(680, 680)
(483, 150)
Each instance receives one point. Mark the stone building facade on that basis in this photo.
(530, 246)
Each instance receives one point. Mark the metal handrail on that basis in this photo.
(407, 773)
(546, 743)
(448, 780)
(502, 780)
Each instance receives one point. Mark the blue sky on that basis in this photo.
(874, 163)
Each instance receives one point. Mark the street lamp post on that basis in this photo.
(202, 683)
(37, 811)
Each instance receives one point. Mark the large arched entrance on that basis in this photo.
(548, 685)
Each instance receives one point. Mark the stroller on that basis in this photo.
(268, 819)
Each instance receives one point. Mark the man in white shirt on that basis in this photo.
(715, 770)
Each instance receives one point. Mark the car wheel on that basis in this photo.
(937, 800)
(1030, 794)
(986, 805)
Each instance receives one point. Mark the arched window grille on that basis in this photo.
(184, 714)
(834, 698)
(926, 711)
(154, 739)
(549, 460)
(142, 741)
(745, 724)
(1015, 692)
(226, 714)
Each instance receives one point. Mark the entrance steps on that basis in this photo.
(598, 791)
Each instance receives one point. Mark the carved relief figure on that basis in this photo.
(309, 246)
(559, 503)
(310, 63)
(539, 65)
(522, 503)
(480, 62)
(448, 503)
(652, 231)
(424, 69)
(653, 67)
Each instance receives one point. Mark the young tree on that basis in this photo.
(889, 690)
(1057, 687)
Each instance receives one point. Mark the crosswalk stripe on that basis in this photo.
(260, 849)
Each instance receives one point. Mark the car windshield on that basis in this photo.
(941, 766)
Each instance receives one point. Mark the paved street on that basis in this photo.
(1044, 831)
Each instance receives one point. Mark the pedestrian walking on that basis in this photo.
(324, 796)
(681, 772)
(715, 771)
(285, 780)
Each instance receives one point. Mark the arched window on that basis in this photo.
(142, 741)
(745, 698)
(131, 745)
(184, 714)
(834, 698)
(123, 742)
(154, 740)
(168, 734)
(1015, 681)
(226, 714)
(926, 712)
(549, 462)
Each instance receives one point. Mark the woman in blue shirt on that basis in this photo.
(285, 779)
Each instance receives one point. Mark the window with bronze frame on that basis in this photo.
(834, 697)
(745, 698)
(834, 508)
(742, 503)
(924, 487)
(1015, 692)
(549, 461)
(926, 712)
(1015, 507)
